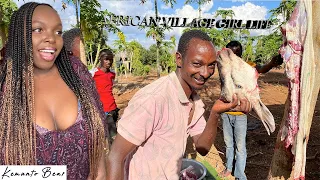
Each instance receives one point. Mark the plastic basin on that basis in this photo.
(199, 169)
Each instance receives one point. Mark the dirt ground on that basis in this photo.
(260, 145)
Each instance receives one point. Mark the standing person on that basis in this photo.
(49, 114)
(235, 126)
(104, 79)
(73, 43)
(153, 131)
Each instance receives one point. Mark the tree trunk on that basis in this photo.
(157, 36)
(83, 52)
(2, 30)
(156, 8)
(77, 3)
(90, 56)
(158, 62)
(199, 8)
(2, 37)
(97, 56)
(115, 67)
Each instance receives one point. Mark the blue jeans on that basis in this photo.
(234, 132)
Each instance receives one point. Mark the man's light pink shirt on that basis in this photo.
(156, 120)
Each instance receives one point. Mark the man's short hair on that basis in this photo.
(69, 36)
(187, 36)
(105, 52)
(235, 44)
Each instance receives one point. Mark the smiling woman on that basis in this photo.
(48, 103)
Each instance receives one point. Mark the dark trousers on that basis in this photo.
(112, 118)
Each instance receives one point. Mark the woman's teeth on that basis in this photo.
(47, 51)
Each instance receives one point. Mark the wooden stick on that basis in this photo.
(256, 164)
(255, 154)
(313, 157)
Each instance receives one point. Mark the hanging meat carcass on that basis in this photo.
(302, 57)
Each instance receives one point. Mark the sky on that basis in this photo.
(243, 9)
(68, 15)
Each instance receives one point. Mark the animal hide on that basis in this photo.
(238, 77)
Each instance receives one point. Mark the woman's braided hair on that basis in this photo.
(17, 106)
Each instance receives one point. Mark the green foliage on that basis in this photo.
(137, 67)
(7, 7)
(259, 49)
(140, 69)
(199, 2)
(121, 43)
(157, 32)
(167, 58)
(224, 13)
(220, 37)
(285, 10)
(268, 46)
(150, 56)
(122, 69)
(171, 2)
(95, 28)
(243, 34)
(248, 54)
(143, 59)
(167, 61)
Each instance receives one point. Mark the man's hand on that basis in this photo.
(276, 61)
(203, 141)
(220, 106)
(245, 106)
